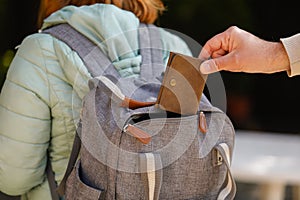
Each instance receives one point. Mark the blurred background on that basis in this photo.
(261, 102)
(254, 101)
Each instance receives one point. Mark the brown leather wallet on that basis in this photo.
(181, 88)
(182, 85)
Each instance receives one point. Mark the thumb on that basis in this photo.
(208, 67)
(216, 64)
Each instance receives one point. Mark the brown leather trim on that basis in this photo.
(133, 104)
(202, 123)
(139, 134)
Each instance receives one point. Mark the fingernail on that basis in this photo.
(205, 68)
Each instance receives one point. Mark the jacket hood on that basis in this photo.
(114, 30)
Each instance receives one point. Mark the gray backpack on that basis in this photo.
(143, 152)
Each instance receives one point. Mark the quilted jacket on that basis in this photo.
(41, 98)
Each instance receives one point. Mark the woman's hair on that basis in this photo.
(146, 10)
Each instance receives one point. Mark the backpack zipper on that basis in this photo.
(202, 124)
(138, 133)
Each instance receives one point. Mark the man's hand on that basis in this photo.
(236, 50)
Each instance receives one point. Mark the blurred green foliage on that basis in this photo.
(17, 19)
(5, 61)
(5, 57)
(3, 24)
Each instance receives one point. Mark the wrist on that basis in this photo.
(280, 61)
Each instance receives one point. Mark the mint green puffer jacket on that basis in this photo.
(41, 99)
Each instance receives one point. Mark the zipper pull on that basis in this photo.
(139, 134)
(202, 123)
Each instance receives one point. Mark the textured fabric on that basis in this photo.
(41, 98)
(292, 47)
(110, 157)
(184, 177)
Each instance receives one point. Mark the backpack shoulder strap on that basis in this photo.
(72, 161)
(151, 51)
(51, 179)
(93, 57)
(8, 197)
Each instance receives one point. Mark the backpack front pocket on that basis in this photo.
(77, 189)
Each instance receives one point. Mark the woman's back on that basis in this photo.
(41, 99)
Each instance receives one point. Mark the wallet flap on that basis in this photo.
(182, 85)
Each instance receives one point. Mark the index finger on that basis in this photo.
(216, 43)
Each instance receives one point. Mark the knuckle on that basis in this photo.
(234, 29)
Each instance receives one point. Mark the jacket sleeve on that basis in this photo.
(292, 47)
(25, 121)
